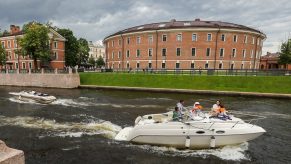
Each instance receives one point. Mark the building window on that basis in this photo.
(118, 65)
(150, 52)
(3, 44)
(194, 37)
(137, 65)
(192, 66)
(119, 54)
(127, 65)
(252, 53)
(233, 52)
(206, 65)
(55, 44)
(244, 53)
(177, 65)
(223, 37)
(235, 38)
(137, 53)
(246, 39)
(220, 66)
(164, 52)
(16, 65)
(178, 51)
(56, 55)
(253, 40)
(112, 55)
(164, 38)
(179, 37)
(119, 42)
(150, 65)
(128, 40)
(232, 66)
(9, 55)
(209, 37)
(8, 44)
(258, 41)
(151, 39)
(242, 66)
(30, 65)
(163, 65)
(127, 53)
(221, 52)
(193, 51)
(138, 40)
(208, 52)
(23, 65)
(112, 43)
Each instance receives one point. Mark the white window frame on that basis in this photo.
(246, 39)
(235, 38)
(194, 51)
(150, 39)
(222, 52)
(223, 38)
(196, 36)
(207, 55)
(165, 51)
(138, 53)
(119, 54)
(138, 40)
(178, 48)
(179, 37)
(150, 52)
(128, 53)
(55, 44)
(165, 37)
(209, 34)
(244, 53)
(233, 53)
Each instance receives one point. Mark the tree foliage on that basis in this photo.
(92, 60)
(83, 52)
(35, 42)
(71, 48)
(285, 54)
(100, 62)
(2, 56)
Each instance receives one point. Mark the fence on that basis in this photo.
(38, 71)
(199, 72)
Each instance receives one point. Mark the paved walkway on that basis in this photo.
(167, 90)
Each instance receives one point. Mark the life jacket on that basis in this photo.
(198, 107)
(222, 110)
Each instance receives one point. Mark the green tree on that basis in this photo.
(285, 54)
(2, 56)
(71, 48)
(83, 52)
(35, 42)
(100, 62)
(92, 60)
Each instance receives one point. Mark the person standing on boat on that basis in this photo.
(176, 114)
(181, 108)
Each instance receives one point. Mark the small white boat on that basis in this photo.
(202, 132)
(34, 96)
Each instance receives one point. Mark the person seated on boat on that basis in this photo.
(214, 109)
(176, 114)
(196, 111)
(221, 113)
(181, 108)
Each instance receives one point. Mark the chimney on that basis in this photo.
(14, 29)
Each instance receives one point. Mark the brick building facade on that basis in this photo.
(9, 42)
(185, 45)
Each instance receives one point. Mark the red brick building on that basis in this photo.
(270, 61)
(185, 45)
(9, 42)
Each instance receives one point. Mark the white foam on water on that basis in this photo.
(71, 148)
(123, 134)
(233, 153)
(70, 129)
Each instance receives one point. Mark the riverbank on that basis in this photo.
(269, 85)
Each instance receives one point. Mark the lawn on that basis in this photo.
(263, 84)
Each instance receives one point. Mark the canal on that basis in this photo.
(80, 128)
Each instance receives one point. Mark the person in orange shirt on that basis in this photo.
(221, 113)
(196, 109)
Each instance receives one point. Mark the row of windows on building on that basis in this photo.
(191, 66)
(9, 55)
(193, 53)
(8, 45)
(23, 65)
(194, 39)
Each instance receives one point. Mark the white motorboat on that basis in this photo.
(34, 96)
(195, 133)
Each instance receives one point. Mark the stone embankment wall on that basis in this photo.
(41, 79)
(10, 156)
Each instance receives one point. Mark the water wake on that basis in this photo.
(66, 129)
(234, 153)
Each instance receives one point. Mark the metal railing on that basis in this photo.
(198, 72)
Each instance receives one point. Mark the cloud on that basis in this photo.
(94, 20)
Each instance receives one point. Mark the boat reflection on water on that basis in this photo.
(33, 96)
(200, 132)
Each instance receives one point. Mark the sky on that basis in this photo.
(96, 19)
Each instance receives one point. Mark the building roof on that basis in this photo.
(271, 55)
(14, 34)
(173, 24)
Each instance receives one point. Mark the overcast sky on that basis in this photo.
(95, 19)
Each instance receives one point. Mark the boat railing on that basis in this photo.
(252, 121)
